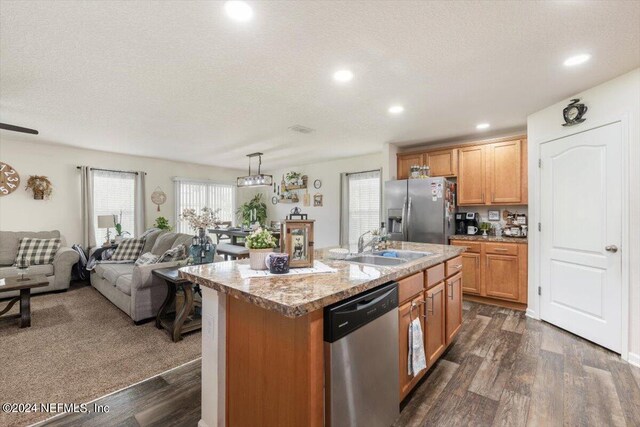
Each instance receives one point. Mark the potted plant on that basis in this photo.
(260, 243)
(292, 177)
(162, 223)
(255, 210)
(41, 187)
(117, 224)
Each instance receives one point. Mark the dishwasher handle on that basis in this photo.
(345, 317)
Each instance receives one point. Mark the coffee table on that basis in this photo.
(14, 284)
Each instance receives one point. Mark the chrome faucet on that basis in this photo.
(361, 245)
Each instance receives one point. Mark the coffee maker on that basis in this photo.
(466, 219)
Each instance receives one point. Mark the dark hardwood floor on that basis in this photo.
(503, 370)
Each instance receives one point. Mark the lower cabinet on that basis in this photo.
(435, 334)
(471, 273)
(501, 276)
(408, 311)
(453, 306)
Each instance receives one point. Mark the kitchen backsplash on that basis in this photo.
(484, 211)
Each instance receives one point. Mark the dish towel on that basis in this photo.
(417, 358)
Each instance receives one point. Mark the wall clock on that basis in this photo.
(573, 113)
(9, 179)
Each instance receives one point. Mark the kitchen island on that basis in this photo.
(262, 350)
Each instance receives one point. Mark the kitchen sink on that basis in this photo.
(376, 260)
(407, 255)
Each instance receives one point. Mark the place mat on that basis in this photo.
(318, 268)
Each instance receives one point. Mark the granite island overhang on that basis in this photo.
(262, 351)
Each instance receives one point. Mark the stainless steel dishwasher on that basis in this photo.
(361, 359)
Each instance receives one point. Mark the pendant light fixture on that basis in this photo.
(259, 180)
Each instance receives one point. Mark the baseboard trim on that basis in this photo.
(532, 314)
(634, 359)
(201, 423)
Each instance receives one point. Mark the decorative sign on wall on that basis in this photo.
(158, 197)
(9, 179)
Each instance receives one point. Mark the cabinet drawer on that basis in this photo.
(473, 247)
(435, 275)
(410, 286)
(453, 266)
(501, 248)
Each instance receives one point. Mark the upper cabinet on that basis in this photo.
(505, 164)
(442, 162)
(405, 161)
(471, 175)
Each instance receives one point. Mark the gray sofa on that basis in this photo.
(58, 273)
(132, 288)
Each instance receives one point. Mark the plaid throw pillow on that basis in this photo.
(37, 251)
(128, 249)
(176, 254)
(147, 258)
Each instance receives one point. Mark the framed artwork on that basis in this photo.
(494, 215)
(317, 200)
(297, 241)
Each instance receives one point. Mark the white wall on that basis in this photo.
(617, 99)
(19, 211)
(327, 225)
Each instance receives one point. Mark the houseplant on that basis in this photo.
(252, 211)
(41, 187)
(292, 177)
(260, 243)
(162, 223)
(117, 224)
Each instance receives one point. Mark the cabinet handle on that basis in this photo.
(451, 290)
(501, 249)
(457, 266)
(431, 298)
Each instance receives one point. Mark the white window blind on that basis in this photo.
(114, 193)
(199, 194)
(361, 204)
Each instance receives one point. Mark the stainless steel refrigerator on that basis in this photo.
(420, 210)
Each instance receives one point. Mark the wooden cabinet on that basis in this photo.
(495, 272)
(505, 172)
(405, 161)
(408, 311)
(435, 333)
(501, 276)
(453, 306)
(442, 162)
(471, 175)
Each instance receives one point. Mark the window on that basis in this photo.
(199, 194)
(360, 204)
(114, 194)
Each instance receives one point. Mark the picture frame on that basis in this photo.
(494, 215)
(296, 239)
(317, 200)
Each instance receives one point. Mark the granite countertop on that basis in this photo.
(480, 238)
(294, 296)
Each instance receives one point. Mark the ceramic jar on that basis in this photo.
(278, 263)
(257, 257)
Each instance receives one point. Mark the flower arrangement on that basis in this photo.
(40, 185)
(207, 219)
(261, 239)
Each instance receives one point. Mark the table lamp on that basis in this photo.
(106, 221)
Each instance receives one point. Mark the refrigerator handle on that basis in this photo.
(402, 219)
(408, 219)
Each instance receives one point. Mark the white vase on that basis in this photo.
(257, 257)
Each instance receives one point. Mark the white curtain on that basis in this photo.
(361, 204)
(139, 204)
(191, 194)
(88, 216)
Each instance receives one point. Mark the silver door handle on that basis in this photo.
(408, 217)
(403, 228)
(611, 248)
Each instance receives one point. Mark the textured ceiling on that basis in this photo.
(177, 79)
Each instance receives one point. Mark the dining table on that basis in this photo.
(236, 234)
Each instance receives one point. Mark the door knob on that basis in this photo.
(611, 248)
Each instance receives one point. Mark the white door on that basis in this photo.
(581, 215)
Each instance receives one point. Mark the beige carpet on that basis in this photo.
(80, 347)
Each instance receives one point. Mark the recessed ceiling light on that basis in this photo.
(343, 76)
(238, 10)
(577, 60)
(396, 109)
(482, 126)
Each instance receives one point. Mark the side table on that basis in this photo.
(180, 322)
(24, 286)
